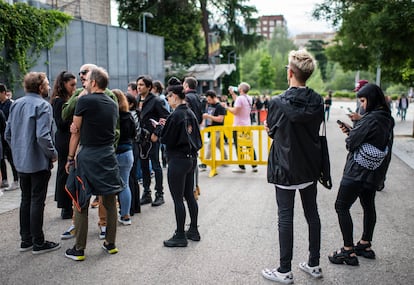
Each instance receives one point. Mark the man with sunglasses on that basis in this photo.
(67, 115)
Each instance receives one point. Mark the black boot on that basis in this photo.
(193, 234)
(159, 200)
(146, 198)
(66, 213)
(177, 240)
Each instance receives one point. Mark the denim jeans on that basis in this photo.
(154, 156)
(125, 161)
(286, 201)
(34, 190)
(181, 183)
(348, 192)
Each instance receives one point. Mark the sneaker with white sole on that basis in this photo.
(47, 246)
(69, 233)
(238, 170)
(125, 221)
(314, 271)
(274, 275)
(13, 186)
(102, 234)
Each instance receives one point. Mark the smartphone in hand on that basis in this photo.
(343, 125)
(154, 122)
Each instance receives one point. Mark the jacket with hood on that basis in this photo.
(294, 119)
(375, 128)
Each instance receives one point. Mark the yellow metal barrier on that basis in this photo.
(249, 140)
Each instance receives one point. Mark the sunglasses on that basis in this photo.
(83, 72)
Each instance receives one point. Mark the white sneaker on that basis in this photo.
(102, 234)
(238, 170)
(13, 186)
(315, 271)
(69, 233)
(274, 275)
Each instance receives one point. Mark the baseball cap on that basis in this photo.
(360, 84)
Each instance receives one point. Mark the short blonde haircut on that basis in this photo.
(302, 64)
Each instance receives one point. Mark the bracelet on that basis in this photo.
(70, 157)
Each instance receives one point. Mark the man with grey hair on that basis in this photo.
(241, 111)
(294, 163)
(93, 128)
(29, 133)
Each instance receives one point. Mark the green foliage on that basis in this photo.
(24, 32)
(316, 47)
(372, 33)
(266, 73)
(177, 21)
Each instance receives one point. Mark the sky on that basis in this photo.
(297, 14)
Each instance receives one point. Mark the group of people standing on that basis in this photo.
(101, 133)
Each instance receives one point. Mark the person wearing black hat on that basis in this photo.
(181, 135)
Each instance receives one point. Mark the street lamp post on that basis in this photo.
(145, 14)
(229, 54)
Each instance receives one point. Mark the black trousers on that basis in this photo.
(286, 201)
(34, 190)
(181, 183)
(348, 192)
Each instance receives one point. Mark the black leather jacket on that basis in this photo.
(152, 108)
(181, 133)
(294, 118)
(376, 128)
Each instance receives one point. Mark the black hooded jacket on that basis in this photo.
(294, 119)
(375, 128)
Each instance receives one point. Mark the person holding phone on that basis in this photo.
(181, 135)
(360, 179)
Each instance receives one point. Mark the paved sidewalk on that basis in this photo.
(238, 226)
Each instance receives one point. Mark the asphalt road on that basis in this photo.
(238, 227)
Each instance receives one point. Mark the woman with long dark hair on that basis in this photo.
(369, 144)
(64, 87)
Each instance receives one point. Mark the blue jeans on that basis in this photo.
(286, 202)
(125, 161)
(154, 156)
(34, 190)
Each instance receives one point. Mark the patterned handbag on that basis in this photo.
(369, 156)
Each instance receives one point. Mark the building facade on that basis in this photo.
(96, 11)
(267, 25)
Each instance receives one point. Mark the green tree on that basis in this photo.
(177, 21)
(316, 47)
(24, 32)
(372, 33)
(266, 73)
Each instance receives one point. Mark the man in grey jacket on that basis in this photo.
(29, 134)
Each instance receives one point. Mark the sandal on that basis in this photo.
(364, 250)
(344, 256)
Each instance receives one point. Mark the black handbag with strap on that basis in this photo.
(325, 177)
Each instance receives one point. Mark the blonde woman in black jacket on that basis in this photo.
(369, 144)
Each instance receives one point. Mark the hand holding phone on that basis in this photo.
(154, 122)
(344, 127)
